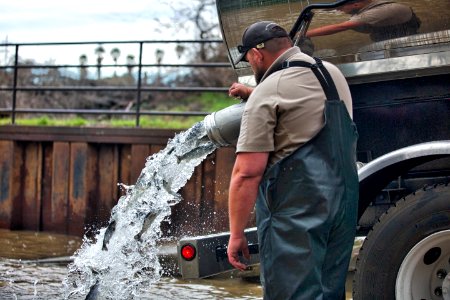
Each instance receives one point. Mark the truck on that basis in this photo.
(401, 106)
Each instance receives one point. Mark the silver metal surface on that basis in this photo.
(207, 262)
(423, 43)
(420, 54)
(405, 67)
(436, 148)
(417, 280)
(223, 126)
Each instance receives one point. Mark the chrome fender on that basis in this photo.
(376, 174)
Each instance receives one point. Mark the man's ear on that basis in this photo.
(257, 54)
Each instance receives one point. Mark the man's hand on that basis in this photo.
(236, 244)
(239, 90)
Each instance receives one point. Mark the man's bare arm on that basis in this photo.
(334, 28)
(247, 173)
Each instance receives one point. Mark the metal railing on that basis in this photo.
(138, 88)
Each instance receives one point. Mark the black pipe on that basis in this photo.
(306, 14)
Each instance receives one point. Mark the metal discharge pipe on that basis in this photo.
(223, 126)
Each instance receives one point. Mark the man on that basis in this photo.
(296, 160)
(381, 19)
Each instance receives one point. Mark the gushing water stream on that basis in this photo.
(121, 262)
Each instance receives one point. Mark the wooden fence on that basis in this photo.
(65, 180)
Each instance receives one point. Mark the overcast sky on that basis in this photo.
(28, 21)
(81, 20)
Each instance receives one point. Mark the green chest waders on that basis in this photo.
(307, 208)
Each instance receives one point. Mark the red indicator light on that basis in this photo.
(188, 252)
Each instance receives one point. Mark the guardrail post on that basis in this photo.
(14, 95)
(16, 85)
(139, 84)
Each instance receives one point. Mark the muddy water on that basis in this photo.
(24, 276)
(19, 280)
(28, 272)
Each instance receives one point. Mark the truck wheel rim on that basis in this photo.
(425, 271)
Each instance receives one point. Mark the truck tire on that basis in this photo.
(406, 254)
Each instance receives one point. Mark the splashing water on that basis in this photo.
(123, 261)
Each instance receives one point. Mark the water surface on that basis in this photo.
(24, 274)
(22, 277)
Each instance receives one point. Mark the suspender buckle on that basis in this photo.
(285, 64)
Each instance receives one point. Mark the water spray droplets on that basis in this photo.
(129, 264)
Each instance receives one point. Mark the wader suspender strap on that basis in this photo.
(321, 73)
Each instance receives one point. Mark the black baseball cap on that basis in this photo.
(258, 33)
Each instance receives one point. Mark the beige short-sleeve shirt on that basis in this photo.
(383, 13)
(286, 109)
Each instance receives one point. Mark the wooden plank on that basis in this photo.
(107, 181)
(125, 165)
(60, 187)
(79, 187)
(124, 169)
(155, 149)
(115, 177)
(87, 135)
(92, 178)
(225, 158)
(139, 154)
(31, 210)
(47, 175)
(6, 170)
(208, 219)
(51, 167)
(16, 183)
(224, 167)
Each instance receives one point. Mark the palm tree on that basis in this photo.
(99, 51)
(179, 49)
(115, 53)
(159, 54)
(83, 61)
(130, 64)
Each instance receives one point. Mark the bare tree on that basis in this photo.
(199, 17)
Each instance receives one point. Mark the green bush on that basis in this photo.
(206, 102)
